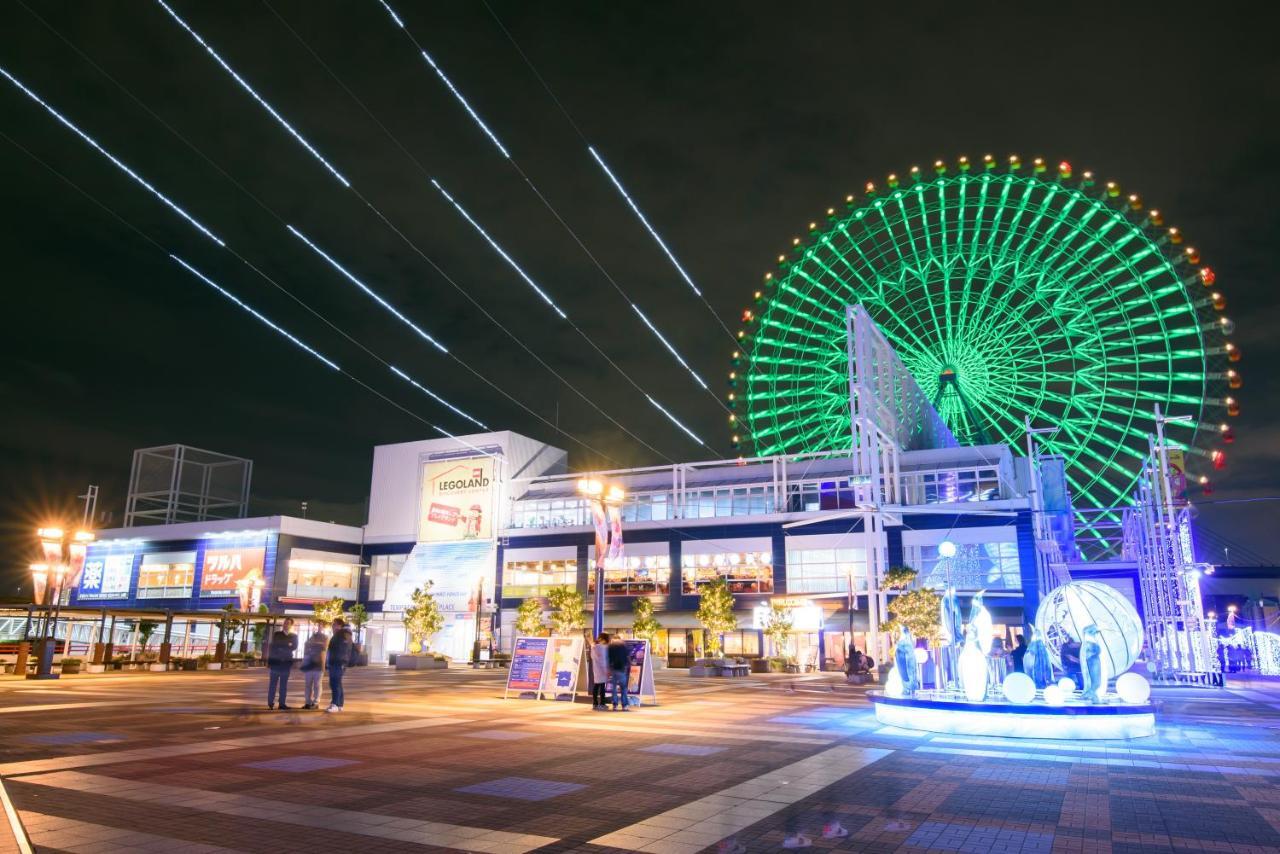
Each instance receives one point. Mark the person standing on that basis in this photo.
(341, 649)
(618, 657)
(1019, 655)
(313, 667)
(279, 663)
(599, 672)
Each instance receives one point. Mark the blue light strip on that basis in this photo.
(202, 277)
(675, 421)
(643, 221)
(496, 248)
(244, 85)
(667, 344)
(362, 286)
(436, 397)
(461, 100)
(107, 154)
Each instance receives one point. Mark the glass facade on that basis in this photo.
(826, 570)
(534, 578)
(322, 575)
(975, 566)
(746, 572)
(634, 576)
(167, 575)
(384, 571)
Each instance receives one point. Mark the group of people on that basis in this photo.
(322, 653)
(610, 669)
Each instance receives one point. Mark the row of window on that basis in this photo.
(171, 575)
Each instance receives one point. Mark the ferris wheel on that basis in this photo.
(1010, 291)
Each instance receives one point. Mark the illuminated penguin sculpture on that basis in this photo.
(952, 637)
(1037, 663)
(973, 667)
(904, 660)
(1092, 668)
(980, 619)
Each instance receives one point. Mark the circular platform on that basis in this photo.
(1033, 720)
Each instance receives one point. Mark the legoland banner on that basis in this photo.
(457, 500)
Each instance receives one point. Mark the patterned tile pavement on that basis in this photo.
(438, 761)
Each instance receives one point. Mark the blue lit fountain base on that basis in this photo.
(945, 712)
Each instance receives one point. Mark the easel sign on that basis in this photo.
(564, 662)
(640, 678)
(528, 668)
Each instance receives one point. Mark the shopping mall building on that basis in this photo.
(495, 518)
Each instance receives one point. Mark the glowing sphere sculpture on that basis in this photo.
(1066, 611)
(1019, 689)
(1009, 291)
(1054, 696)
(1067, 686)
(1133, 688)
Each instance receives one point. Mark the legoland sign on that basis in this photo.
(457, 500)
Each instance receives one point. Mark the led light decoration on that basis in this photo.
(1054, 696)
(1066, 611)
(202, 277)
(1053, 722)
(1067, 686)
(675, 421)
(667, 344)
(429, 393)
(262, 101)
(643, 221)
(1008, 294)
(1133, 688)
(946, 548)
(1019, 689)
(496, 248)
(138, 179)
(362, 286)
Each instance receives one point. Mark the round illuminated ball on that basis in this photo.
(922, 655)
(946, 548)
(1019, 689)
(1053, 696)
(1067, 686)
(1133, 688)
(893, 685)
(1066, 611)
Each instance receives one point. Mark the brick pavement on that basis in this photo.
(438, 761)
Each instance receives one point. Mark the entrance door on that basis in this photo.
(684, 647)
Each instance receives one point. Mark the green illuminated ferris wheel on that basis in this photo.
(1009, 292)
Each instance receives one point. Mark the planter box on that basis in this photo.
(419, 662)
(213, 665)
(158, 668)
(95, 668)
(704, 670)
(68, 669)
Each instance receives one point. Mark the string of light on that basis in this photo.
(310, 149)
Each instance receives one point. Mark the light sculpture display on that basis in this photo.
(1066, 611)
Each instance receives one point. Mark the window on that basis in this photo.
(729, 501)
(322, 575)
(383, 574)
(558, 513)
(646, 507)
(167, 575)
(635, 576)
(976, 566)
(746, 572)
(742, 643)
(826, 570)
(528, 578)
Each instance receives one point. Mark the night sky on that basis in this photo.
(733, 125)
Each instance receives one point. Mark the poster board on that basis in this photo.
(640, 677)
(528, 668)
(564, 663)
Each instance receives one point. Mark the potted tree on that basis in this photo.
(645, 625)
(359, 617)
(422, 619)
(778, 630)
(529, 618)
(71, 665)
(715, 615)
(568, 612)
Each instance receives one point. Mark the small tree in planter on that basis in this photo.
(146, 629)
(359, 617)
(778, 630)
(568, 614)
(328, 611)
(529, 619)
(644, 624)
(233, 625)
(715, 613)
(422, 618)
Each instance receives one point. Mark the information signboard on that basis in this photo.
(564, 659)
(106, 577)
(528, 664)
(224, 569)
(640, 677)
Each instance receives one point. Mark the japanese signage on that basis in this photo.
(457, 500)
(528, 660)
(1177, 475)
(224, 569)
(640, 675)
(565, 654)
(106, 577)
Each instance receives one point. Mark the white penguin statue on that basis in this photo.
(973, 666)
(980, 618)
(904, 661)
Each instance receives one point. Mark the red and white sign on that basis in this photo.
(224, 569)
(457, 500)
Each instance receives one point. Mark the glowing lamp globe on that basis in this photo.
(922, 655)
(1019, 689)
(1067, 686)
(1133, 688)
(946, 548)
(1066, 611)
(1053, 696)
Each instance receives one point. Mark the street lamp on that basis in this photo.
(64, 554)
(606, 506)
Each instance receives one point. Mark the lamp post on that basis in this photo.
(64, 553)
(606, 505)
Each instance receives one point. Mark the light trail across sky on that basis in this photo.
(667, 344)
(437, 397)
(173, 206)
(675, 421)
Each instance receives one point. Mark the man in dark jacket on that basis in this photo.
(341, 650)
(1019, 654)
(619, 658)
(280, 663)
